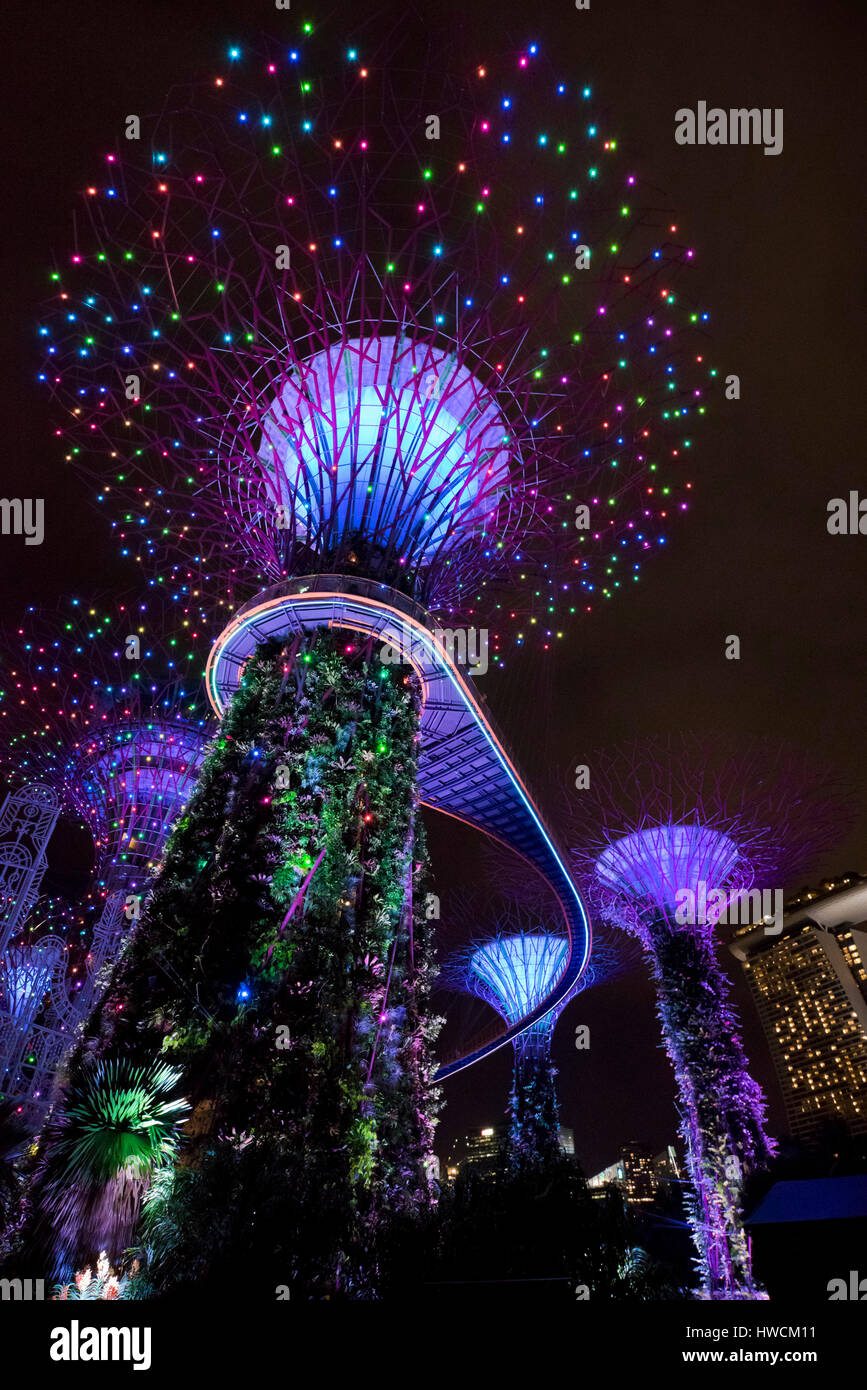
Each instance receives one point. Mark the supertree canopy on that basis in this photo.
(399, 342)
(337, 313)
(513, 973)
(120, 739)
(105, 703)
(668, 835)
(27, 975)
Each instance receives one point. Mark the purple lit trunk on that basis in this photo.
(721, 1107)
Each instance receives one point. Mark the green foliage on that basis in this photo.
(117, 1117)
(534, 1112)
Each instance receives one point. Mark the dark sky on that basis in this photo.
(780, 254)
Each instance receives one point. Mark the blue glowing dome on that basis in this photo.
(389, 439)
(660, 862)
(516, 972)
(26, 976)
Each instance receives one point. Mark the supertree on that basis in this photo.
(104, 706)
(668, 835)
(512, 969)
(322, 334)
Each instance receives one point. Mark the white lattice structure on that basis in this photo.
(27, 820)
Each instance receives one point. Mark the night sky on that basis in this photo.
(779, 243)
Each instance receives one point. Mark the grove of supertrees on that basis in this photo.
(365, 347)
(102, 705)
(667, 835)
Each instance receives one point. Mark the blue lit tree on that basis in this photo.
(512, 970)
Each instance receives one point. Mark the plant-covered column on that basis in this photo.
(283, 965)
(721, 1107)
(534, 1110)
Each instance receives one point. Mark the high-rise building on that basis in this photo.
(809, 983)
(482, 1146)
(634, 1173)
(640, 1179)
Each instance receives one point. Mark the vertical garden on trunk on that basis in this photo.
(282, 964)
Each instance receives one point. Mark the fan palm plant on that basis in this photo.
(118, 1126)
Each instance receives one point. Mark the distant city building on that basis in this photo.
(479, 1146)
(636, 1173)
(639, 1182)
(809, 983)
(482, 1146)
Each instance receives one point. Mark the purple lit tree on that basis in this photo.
(312, 328)
(667, 835)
